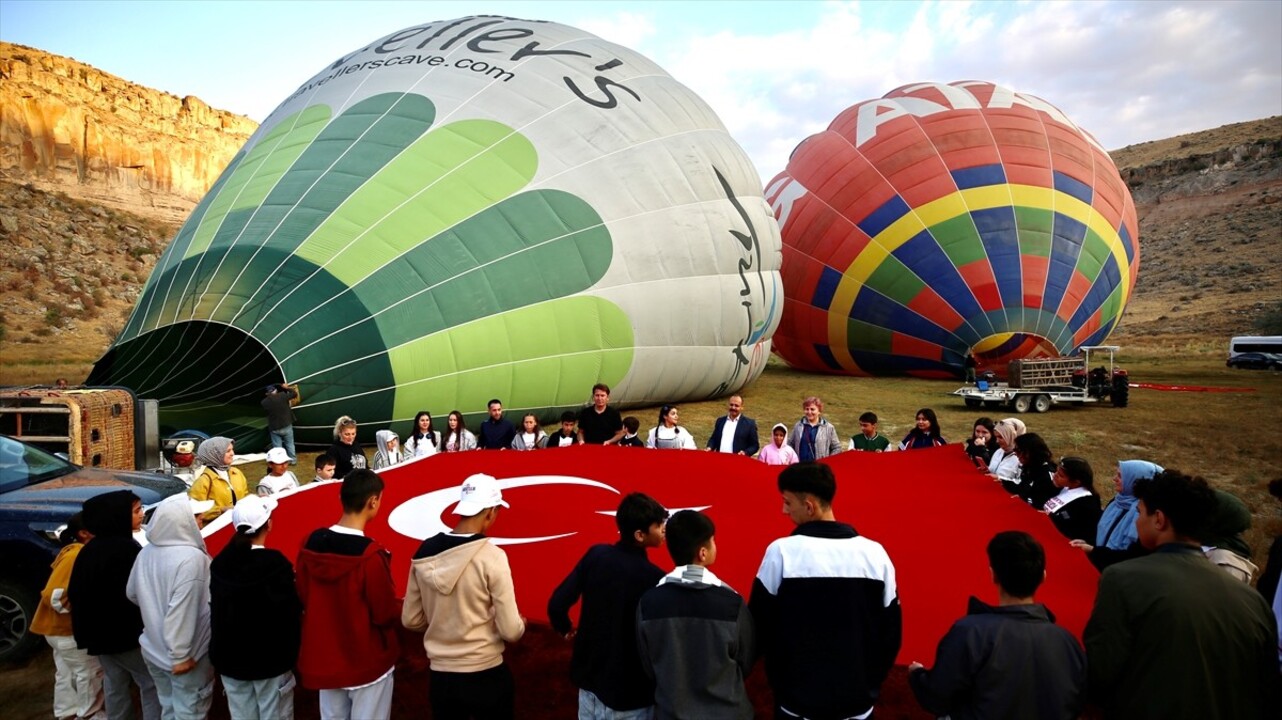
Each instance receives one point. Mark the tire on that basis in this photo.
(973, 402)
(1021, 403)
(1121, 394)
(17, 608)
(1042, 403)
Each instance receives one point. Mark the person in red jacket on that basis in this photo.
(350, 609)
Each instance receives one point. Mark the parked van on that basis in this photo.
(1262, 352)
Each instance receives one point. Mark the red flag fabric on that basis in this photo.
(931, 509)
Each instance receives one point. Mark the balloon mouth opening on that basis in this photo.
(201, 373)
(995, 352)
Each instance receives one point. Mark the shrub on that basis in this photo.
(1270, 321)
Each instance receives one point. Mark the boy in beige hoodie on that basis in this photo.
(460, 592)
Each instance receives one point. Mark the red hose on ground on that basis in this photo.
(1189, 388)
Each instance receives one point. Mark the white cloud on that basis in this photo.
(1125, 71)
(629, 29)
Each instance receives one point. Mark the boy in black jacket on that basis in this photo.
(611, 579)
(253, 603)
(984, 665)
(694, 632)
(103, 620)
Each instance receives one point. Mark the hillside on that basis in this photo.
(81, 235)
(1210, 234)
(69, 127)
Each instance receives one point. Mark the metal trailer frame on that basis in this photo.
(1038, 399)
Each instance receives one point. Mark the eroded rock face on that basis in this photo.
(67, 126)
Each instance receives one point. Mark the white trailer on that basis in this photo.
(1039, 384)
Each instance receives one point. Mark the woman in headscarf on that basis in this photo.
(1004, 464)
(219, 481)
(1116, 538)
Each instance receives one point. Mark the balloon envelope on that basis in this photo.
(945, 219)
(463, 210)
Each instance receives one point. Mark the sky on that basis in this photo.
(775, 72)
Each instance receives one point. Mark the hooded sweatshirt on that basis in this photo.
(170, 584)
(460, 591)
(255, 613)
(104, 621)
(52, 618)
(349, 610)
(383, 457)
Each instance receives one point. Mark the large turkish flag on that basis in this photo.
(930, 509)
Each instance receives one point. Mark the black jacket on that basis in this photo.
(1004, 662)
(1078, 519)
(1036, 484)
(827, 616)
(104, 622)
(346, 458)
(746, 438)
(611, 580)
(255, 614)
(696, 639)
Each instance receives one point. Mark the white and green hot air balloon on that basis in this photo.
(464, 209)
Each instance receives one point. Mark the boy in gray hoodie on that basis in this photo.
(170, 585)
(460, 591)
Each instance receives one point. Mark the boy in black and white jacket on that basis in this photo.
(825, 605)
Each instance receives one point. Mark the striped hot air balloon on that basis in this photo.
(461, 210)
(946, 219)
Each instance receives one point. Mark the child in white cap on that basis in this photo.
(460, 591)
(249, 580)
(279, 477)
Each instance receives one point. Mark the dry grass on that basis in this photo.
(1208, 434)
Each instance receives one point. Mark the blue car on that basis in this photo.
(38, 492)
(1256, 361)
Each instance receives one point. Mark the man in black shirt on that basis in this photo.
(600, 424)
(496, 433)
(280, 417)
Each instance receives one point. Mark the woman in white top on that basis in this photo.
(669, 434)
(531, 436)
(423, 440)
(1004, 465)
(457, 437)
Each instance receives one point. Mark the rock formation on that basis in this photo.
(69, 127)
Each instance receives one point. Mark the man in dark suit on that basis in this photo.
(735, 432)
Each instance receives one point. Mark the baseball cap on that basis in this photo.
(272, 388)
(200, 507)
(277, 455)
(252, 512)
(479, 493)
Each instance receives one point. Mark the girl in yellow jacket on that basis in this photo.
(219, 481)
(77, 685)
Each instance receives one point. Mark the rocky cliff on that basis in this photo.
(69, 127)
(1210, 211)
